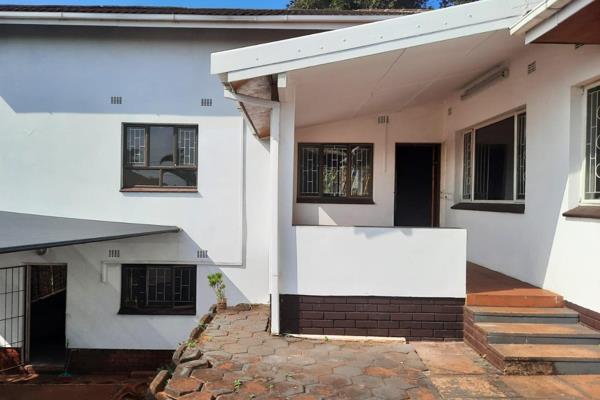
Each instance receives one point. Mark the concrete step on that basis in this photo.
(549, 359)
(532, 315)
(522, 333)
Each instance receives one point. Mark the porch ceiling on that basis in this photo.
(21, 232)
(391, 81)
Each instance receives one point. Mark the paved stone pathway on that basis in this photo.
(248, 363)
(459, 373)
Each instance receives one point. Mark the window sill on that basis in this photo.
(159, 190)
(591, 212)
(321, 200)
(159, 311)
(513, 208)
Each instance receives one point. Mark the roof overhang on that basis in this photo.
(369, 39)
(561, 22)
(21, 232)
(385, 66)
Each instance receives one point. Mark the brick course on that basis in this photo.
(586, 316)
(435, 319)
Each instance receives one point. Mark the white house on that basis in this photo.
(364, 165)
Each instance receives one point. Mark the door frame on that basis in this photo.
(435, 180)
(27, 342)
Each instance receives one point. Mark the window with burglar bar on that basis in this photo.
(494, 160)
(335, 173)
(592, 145)
(160, 156)
(158, 289)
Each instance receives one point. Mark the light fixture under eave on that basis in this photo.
(484, 81)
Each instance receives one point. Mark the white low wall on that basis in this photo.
(362, 261)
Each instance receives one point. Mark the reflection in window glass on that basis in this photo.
(141, 177)
(494, 161)
(161, 145)
(179, 178)
(361, 171)
(335, 170)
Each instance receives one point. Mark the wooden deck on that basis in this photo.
(493, 289)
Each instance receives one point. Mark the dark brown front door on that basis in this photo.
(417, 186)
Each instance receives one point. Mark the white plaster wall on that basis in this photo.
(61, 155)
(541, 246)
(363, 261)
(421, 124)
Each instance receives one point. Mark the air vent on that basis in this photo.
(202, 254)
(116, 100)
(206, 102)
(383, 119)
(531, 68)
(114, 253)
(578, 45)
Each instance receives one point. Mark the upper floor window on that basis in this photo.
(335, 173)
(158, 289)
(494, 160)
(160, 156)
(592, 145)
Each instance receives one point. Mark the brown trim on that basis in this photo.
(586, 316)
(96, 361)
(512, 208)
(138, 189)
(592, 212)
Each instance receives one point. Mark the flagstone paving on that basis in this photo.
(245, 362)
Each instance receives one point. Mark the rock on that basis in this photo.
(179, 386)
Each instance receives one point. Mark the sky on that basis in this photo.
(178, 3)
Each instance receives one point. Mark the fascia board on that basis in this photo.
(554, 20)
(540, 13)
(369, 39)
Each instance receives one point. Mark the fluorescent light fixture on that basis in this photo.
(487, 79)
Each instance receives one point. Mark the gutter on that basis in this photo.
(312, 22)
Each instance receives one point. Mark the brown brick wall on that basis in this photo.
(586, 316)
(437, 319)
(120, 361)
(10, 359)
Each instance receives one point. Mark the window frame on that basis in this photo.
(158, 310)
(161, 169)
(583, 201)
(322, 199)
(473, 131)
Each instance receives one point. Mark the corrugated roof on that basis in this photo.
(197, 11)
(20, 232)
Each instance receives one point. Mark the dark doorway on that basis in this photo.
(417, 188)
(48, 302)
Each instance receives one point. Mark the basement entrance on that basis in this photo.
(48, 302)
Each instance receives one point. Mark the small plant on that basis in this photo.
(237, 384)
(270, 386)
(202, 326)
(215, 281)
(190, 344)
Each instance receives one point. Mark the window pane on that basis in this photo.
(161, 145)
(135, 143)
(467, 163)
(335, 170)
(592, 145)
(309, 170)
(160, 286)
(185, 286)
(361, 171)
(140, 177)
(494, 161)
(180, 177)
(521, 146)
(187, 140)
(134, 286)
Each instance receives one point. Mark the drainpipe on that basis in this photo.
(274, 183)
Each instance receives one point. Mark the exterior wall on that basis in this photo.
(61, 155)
(415, 125)
(432, 319)
(405, 262)
(541, 246)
